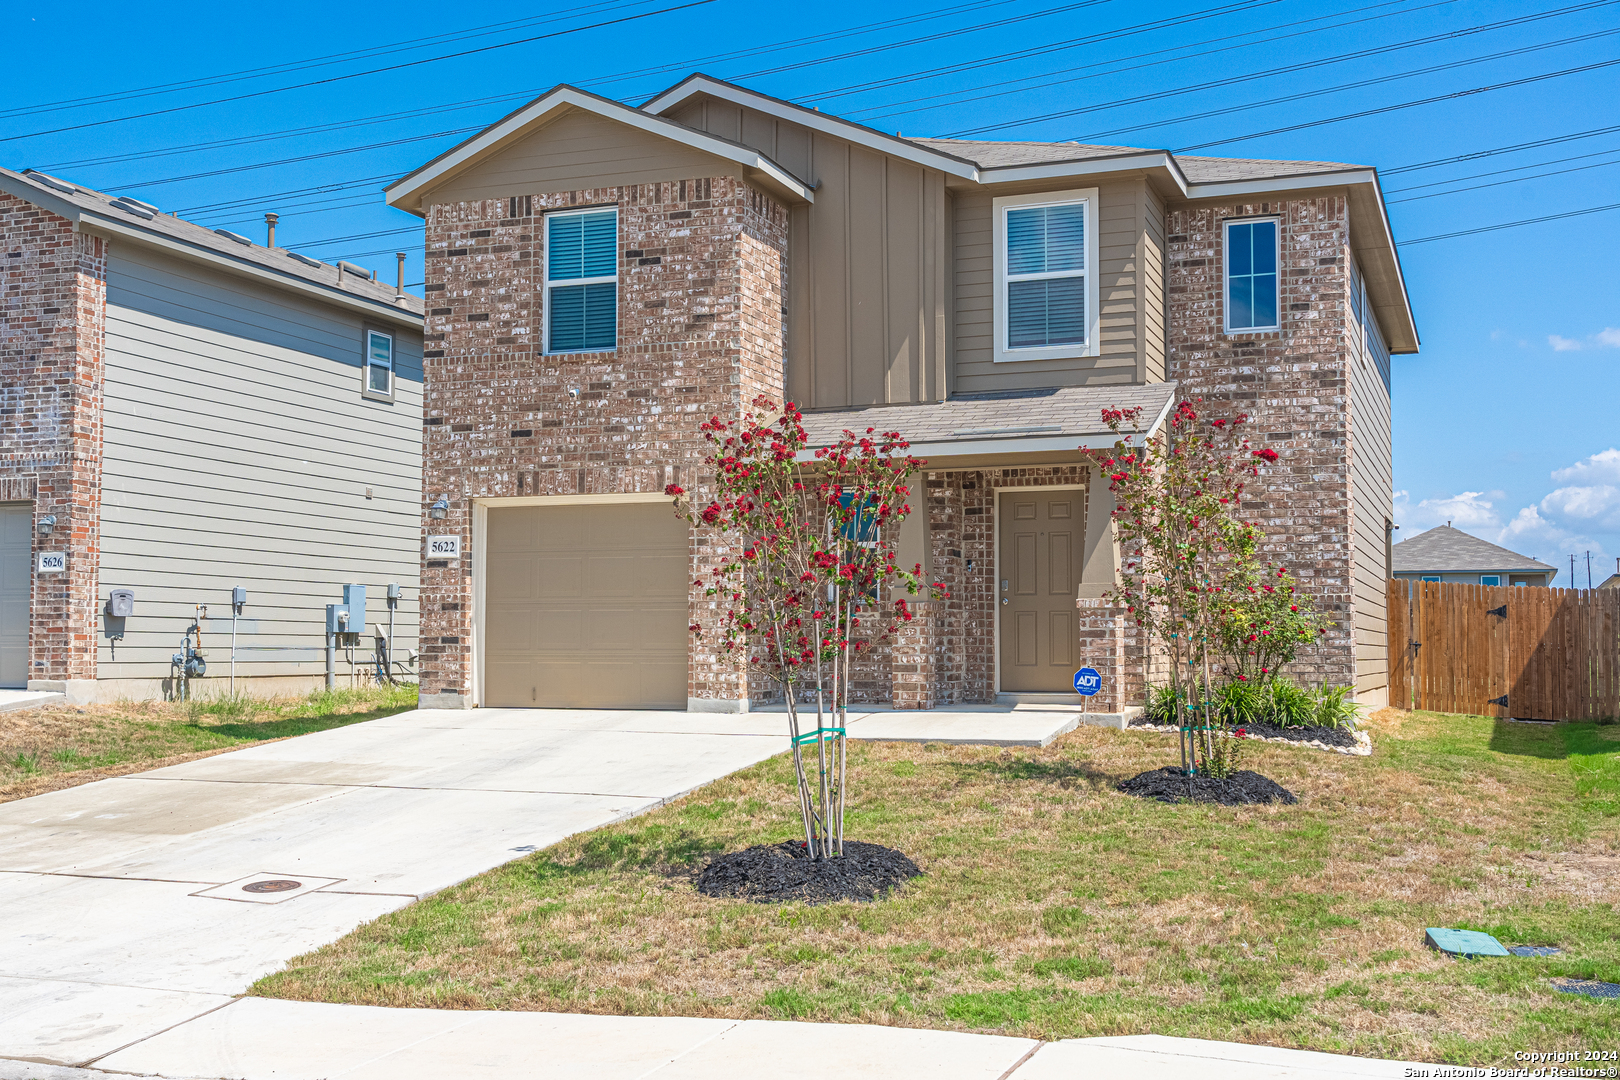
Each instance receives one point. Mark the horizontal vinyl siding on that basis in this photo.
(1121, 281)
(238, 451)
(578, 151)
(1372, 483)
(1152, 270)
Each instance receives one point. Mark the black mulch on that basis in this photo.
(1242, 788)
(774, 873)
(1331, 736)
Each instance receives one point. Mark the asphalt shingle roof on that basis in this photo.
(130, 213)
(1200, 170)
(1064, 411)
(1449, 550)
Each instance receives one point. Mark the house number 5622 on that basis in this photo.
(444, 547)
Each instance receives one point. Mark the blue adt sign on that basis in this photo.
(1087, 681)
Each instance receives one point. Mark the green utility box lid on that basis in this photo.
(1468, 943)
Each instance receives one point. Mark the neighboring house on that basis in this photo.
(1448, 554)
(601, 278)
(1613, 580)
(184, 412)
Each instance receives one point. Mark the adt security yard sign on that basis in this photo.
(1087, 682)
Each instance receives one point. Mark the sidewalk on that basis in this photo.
(262, 1039)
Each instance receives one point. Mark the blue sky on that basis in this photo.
(1504, 424)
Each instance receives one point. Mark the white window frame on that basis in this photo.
(1496, 579)
(1090, 347)
(545, 277)
(1226, 276)
(366, 390)
(1432, 577)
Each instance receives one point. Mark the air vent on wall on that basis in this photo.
(134, 206)
(238, 237)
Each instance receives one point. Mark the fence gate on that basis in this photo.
(1497, 650)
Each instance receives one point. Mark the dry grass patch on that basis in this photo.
(1053, 906)
(63, 745)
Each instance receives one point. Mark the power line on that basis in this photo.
(1406, 104)
(934, 101)
(1512, 224)
(1306, 65)
(301, 65)
(1071, 43)
(1499, 172)
(1554, 140)
(307, 157)
(1500, 183)
(361, 74)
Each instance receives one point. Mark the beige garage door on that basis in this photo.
(586, 607)
(16, 523)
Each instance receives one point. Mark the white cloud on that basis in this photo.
(1578, 515)
(1607, 338)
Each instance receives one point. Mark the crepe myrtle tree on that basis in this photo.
(811, 559)
(1178, 494)
(1263, 619)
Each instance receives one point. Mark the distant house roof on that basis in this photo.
(144, 223)
(1448, 550)
(1025, 421)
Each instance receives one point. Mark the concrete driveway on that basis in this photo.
(127, 907)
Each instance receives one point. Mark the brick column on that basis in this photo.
(916, 662)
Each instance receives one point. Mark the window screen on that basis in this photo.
(582, 281)
(1251, 275)
(1046, 276)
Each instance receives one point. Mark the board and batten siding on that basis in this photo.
(238, 451)
(1372, 481)
(868, 291)
(1130, 242)
(579, 151)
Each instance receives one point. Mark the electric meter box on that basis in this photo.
(121, 603)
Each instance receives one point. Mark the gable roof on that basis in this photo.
(139, 222)
(406, 192)
(1190, 177)
(1448, 550)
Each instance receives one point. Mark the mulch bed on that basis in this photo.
(777, 873)
(1242, 788)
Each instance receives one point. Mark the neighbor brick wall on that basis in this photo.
(1294, 384)
(701, 286)
(52, 336)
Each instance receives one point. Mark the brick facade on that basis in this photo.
(52, 342)
(702, 270)
(1294, 383)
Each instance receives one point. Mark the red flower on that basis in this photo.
(674, 489)
(1268, 455)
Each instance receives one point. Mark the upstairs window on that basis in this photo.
(379, 365)
(1251, 276)
(1045, 276)
(582, 281)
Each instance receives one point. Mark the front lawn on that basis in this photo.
(1054, 906)
(62, 745)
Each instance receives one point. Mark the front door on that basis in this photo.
(1038, 580)
(16, 563)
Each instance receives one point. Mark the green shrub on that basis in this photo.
(1289, 705)
(1242, 703)
(1334, 707)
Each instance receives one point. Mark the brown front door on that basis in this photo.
(1037, 583)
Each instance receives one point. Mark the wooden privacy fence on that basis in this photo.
(1497, 650)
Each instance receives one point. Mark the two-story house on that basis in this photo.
(603, 278)
(185, 412)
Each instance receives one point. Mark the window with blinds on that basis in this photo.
(1251, 275)
(1046, 295)
(582, 281)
